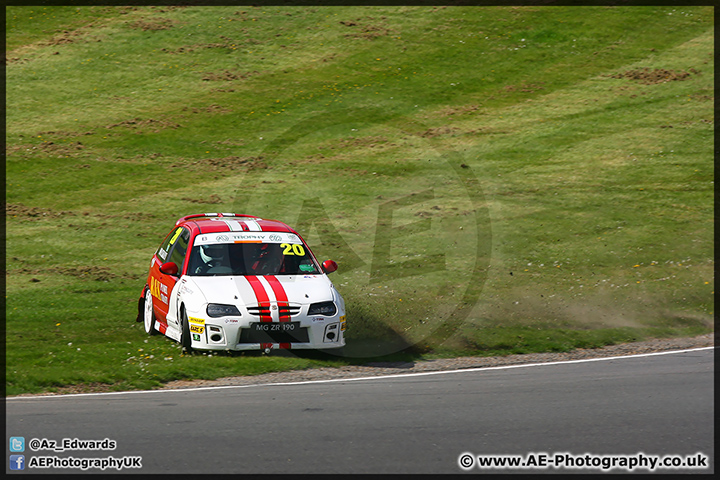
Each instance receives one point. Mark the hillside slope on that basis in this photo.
(490, 179)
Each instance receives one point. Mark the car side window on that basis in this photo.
(162, 252)
(178, 247)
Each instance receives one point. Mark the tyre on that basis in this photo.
(185, 339)
(149, 315)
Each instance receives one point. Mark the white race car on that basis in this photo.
(223, 281)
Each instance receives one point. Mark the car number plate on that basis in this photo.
(275, 326)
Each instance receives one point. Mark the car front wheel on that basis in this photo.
(149, 315)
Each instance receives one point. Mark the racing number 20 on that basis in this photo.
(292, 249)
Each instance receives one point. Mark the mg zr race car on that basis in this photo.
(223, 281)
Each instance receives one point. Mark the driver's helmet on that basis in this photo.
(212, 253)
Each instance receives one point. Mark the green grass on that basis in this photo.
(491, 180)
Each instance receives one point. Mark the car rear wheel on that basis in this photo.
(149, 315)
(185, 339)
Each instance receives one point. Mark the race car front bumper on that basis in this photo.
(234, 334)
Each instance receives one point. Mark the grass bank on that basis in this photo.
(491, 180)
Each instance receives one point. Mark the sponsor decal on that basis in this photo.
(184, 288)
(199, 321)
(249, 238)
(175, 237)
(158, 290)
(197, 328)
(196, 337)
(232, 320)
(318, 319)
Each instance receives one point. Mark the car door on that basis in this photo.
(173, 250)
(178, 255)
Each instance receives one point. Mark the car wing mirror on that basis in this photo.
(169, 268)
(329, 266)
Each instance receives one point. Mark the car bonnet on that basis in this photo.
(253, 290)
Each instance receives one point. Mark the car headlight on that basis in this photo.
(219, 310)
(323, 308)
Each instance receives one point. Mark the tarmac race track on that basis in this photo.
(629, 410)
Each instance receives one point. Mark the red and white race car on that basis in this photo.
(223, 281)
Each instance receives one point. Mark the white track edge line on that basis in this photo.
(354, 379)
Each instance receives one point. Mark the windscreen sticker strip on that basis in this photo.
(248, 237)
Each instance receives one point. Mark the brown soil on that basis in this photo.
(152, 124)
(227, 75)
(227, 163)
(88, 272)
(160, 24)
(20, 210)
(655, 76)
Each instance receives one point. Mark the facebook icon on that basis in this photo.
(17, 462)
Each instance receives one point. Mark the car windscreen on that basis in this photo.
(250, 254)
